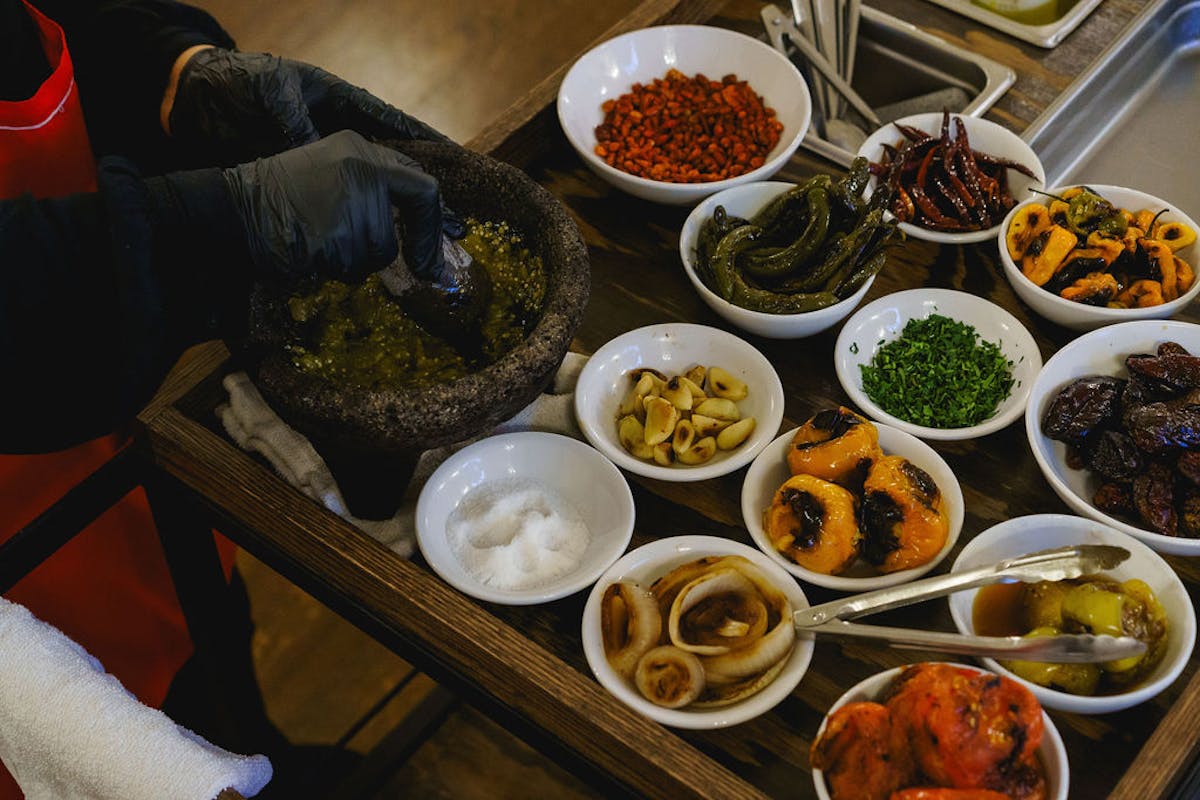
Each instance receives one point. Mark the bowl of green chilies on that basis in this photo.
(786, 260)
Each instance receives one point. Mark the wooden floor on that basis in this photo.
(456, 65)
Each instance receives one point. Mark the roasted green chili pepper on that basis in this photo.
(725, 272)
(1088, 211)
(795, 255)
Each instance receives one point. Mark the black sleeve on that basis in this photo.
(123, 51)
(100, 293)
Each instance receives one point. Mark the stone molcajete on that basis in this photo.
(372, 438)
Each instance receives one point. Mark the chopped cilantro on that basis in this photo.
(940, 374)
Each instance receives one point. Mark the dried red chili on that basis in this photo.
(684, 129)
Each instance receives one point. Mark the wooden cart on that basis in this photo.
(525, 664)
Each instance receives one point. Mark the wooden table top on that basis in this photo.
(529, 660)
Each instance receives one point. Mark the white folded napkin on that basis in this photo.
(70, 731)
(251, 423)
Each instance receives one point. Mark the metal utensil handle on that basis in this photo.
(1065, 649)
(1051, 565)
(830, 74)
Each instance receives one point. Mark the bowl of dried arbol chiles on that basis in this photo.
(952, 179)
(1086, 256)
(1114, 423)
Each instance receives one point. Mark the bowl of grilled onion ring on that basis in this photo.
(849, 504)
(696, 632)
(912, 732)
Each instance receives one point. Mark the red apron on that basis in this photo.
(108, 588)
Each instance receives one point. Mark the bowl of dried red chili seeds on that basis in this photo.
(676, 113)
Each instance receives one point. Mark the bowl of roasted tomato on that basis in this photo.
(948, 178)
(849, 504)
(1141, 597)
(1087, 256)
(1114, 424)
(696, 632)
(911, 733)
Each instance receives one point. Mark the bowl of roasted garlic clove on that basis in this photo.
(679, 402)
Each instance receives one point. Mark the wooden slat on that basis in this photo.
(516, 136)
(416, 604)
(1174, 744)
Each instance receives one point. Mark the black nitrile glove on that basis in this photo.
(326, 208)
(232, 106)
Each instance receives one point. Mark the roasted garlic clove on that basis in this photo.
(631, 403)
(677, 394)
(696, 374)
(684, 436)
(718, 407)
(699, 452)
(722, 384)
(698, 394)
(735, 434)
(648, 385)
(664, 455)
(661, 417)
(637, 372)
(708, 426)
(633, 437)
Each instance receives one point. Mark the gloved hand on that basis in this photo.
(231, 107)
(326, 208)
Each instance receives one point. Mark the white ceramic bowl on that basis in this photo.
(883, 320)
(1051, 751)
(672, 348)
(770, 470)
(985, 136)
(745, 201)
(1082, 317)
(569, 468)
(1101, 352)
(651, 561)
(1022, 535)
(609, 70)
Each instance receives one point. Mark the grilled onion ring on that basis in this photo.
(707, 598)
(669, 677)
(726, 614)
(630, 625)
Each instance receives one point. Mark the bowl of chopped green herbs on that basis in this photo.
(937, 363)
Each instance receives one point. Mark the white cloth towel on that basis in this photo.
(70, 731)
(251, 423)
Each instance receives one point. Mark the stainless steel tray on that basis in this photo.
(1047, 35)
(1131, 119)
(896, 61)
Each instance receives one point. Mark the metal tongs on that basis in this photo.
(831, 619)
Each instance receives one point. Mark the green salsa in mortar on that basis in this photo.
(358, 334)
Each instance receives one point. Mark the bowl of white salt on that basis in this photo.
(524, 518)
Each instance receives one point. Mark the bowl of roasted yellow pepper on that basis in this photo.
(1088, 256)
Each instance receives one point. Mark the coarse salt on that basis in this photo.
(516, 534)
